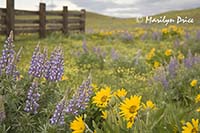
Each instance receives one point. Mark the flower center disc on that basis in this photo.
(132, 109)
(103, 99)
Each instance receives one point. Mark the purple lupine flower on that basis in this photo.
(189, 61)
(114, 54)
(7, 52)
(11, 68)
(58, 116)
(144, 36)
(80, 98)
(176, 43)
(161, 76)
(94, 49)
(9, 58)
(99, 52)
(126, 36)
(173, 66)
(198, 35)
(32, 99)
(103, 54)
(156, 36)
(54, 68)
(37, 63)
(187, 35)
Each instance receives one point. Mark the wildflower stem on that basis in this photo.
(147, 118)
(88, 128)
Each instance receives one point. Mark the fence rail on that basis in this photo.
(41, 21)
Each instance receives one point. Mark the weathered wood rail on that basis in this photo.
(42, 21)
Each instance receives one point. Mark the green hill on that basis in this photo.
(97, 22)
(192, 13)
(101, 22)
(184, 14)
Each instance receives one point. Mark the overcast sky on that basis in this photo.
(117, 8)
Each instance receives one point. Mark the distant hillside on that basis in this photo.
(192, 13)
(96, 21)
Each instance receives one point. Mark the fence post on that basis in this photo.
(65, 20)
(82, 21)
(10, 17)
(42, 13)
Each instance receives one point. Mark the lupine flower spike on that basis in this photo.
(80, 98)
(54, 68)
(58, 116)
(32, 99)
(38, 63)
(9, 58)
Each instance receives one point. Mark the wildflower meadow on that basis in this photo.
(136, 79)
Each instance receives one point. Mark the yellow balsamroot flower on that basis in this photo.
(191, 127)
(129, 107)
(153, 50)
(180, 56)
(164, 30)
(130, 122)
(151, 54)
(198, 110)
(21, 76)
(156, 64)
(78, 125)
(149, 105)
(197, 99)
(173, 28)
(180, 31)
(168, 52)
(64, 78)
(102, 97)
(140, 32)
(43, 80)
(94, 87)
(120, 93)
(193, 83)
(104, 114)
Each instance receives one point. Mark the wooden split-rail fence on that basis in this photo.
(42, 21)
